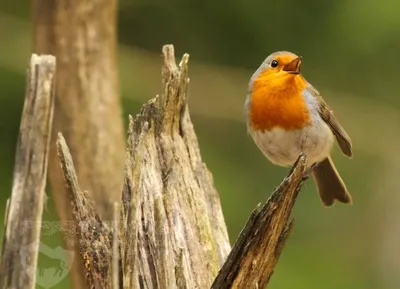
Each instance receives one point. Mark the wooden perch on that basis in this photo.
(256, 252)
(170, 232)
(24, 211)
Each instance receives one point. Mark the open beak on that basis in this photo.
(294, 66)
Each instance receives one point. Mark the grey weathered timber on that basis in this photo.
(25, 207)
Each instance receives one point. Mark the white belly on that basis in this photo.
(284, 147)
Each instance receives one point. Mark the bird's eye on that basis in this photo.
(274, 63)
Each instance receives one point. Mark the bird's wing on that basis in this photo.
(327, 115)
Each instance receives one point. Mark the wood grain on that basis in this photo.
(25, 207)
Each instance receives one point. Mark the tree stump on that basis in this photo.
(171, 231)
(168, 230)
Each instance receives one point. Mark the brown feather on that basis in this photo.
(327, 115)
(330, 185)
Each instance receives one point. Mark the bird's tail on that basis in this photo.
(330, 185)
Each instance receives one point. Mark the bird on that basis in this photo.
(286, 116)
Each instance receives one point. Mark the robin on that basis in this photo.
(286, 116)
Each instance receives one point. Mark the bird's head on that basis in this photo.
(277, 70)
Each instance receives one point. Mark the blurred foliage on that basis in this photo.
(350, 52)
(344, 36)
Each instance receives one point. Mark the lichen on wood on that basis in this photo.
(175, 234)
(94, 237)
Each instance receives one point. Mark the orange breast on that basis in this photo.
(277, 101)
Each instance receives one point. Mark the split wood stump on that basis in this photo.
(168, 230)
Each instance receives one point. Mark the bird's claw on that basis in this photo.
(309, 170)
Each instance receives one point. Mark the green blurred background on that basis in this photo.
(350, 53)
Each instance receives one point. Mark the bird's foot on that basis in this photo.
(309, 170)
